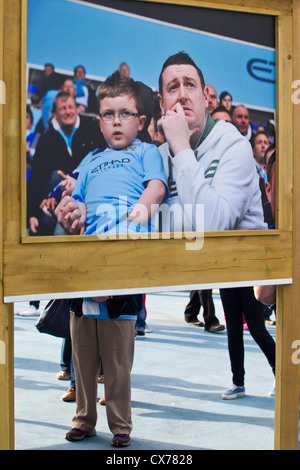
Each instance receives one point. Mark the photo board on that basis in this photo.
(43, 267)
(64, 266)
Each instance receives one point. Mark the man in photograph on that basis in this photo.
(206, 162)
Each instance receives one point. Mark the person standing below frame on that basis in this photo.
(115, 193)
(211, 163)
(202, 298)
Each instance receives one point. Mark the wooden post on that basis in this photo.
(288, 297)
(6, 377)
(6, 311)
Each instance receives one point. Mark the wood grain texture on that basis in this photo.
(288, 297)
(127, 264)
(273, 7)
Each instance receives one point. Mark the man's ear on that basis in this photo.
(142, 120)
(160, 100)
(268, 190)
(206, 95)
(98, 119)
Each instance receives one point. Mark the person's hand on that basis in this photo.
(67, 185)
(81, 108)
(33, 224)
(71, 215)
(176, 130)
(101, 299)
(50, 203)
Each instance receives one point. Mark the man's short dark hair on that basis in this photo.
(271, 147)
(253, 137)
(181, 58)
(220, 109)
(270, 164)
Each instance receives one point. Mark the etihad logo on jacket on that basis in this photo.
(107, 165)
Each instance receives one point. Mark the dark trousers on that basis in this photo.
(198, 299)
(237, 301)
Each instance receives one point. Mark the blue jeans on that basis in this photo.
(140, 324)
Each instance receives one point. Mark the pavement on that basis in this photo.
(178, 377)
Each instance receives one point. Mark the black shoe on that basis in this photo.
(215, 328)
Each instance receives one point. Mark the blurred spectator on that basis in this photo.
(212, 98)
(69, 87)
(240, 118)
(260, 143)
(124, 69)
(270, 130)
(85, 95)
(46, 92)
(31, 140)
(69, 139)
(259, 128)
(225, 100)
(221, 113)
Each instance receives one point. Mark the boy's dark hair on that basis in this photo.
(118, 85)
(180, 58)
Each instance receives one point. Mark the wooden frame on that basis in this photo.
(61, 266)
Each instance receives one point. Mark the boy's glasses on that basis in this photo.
(123, 115)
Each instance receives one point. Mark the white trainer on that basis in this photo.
(30, 311)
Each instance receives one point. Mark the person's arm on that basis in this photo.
(148, 203)
(265, 294)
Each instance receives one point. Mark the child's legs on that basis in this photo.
(117, 338)
(86, 361)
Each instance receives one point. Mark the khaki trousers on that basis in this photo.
(112, 343)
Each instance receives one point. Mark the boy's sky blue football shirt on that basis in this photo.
(111, 182)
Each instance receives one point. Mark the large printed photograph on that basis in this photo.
(146, 119)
